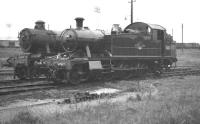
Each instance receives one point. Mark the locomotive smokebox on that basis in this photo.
(79, 22)
(39, 40)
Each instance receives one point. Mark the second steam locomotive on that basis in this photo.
(78, 54)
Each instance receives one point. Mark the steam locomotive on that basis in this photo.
(78, 54)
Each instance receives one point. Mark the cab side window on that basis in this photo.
(154, 35)
(160, 35)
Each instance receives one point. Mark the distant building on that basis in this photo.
(9, 43)
(188, 45)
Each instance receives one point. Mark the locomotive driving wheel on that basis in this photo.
(70, 46)
(21, 71)
(60, 76)
(77, 75)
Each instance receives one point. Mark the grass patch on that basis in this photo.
(188, 57)
(25, 118)
(177, 104)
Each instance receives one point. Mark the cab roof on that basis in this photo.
(138, 25)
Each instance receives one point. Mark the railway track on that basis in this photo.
(18, 86)
(6, 71)
(182, 71)
(14, 87)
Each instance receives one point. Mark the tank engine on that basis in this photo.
(36, 44)
(140, 48)
(78, 54)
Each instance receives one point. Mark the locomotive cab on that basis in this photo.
(142, 46)
(154, 34)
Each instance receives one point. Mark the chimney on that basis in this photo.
(40, 25)
(79, 22)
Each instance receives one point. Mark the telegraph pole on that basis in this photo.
(182, 37)
(8, 26)
(132, 10)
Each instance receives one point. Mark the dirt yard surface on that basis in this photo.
(64, 91)
(188, 57)
(173, 100)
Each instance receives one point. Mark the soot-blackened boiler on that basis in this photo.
(40, 40)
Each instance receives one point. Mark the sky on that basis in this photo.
(60, 14)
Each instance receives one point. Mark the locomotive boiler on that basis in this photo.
(40, 40)
(80, 37)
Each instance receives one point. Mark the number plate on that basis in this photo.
(95, 65)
